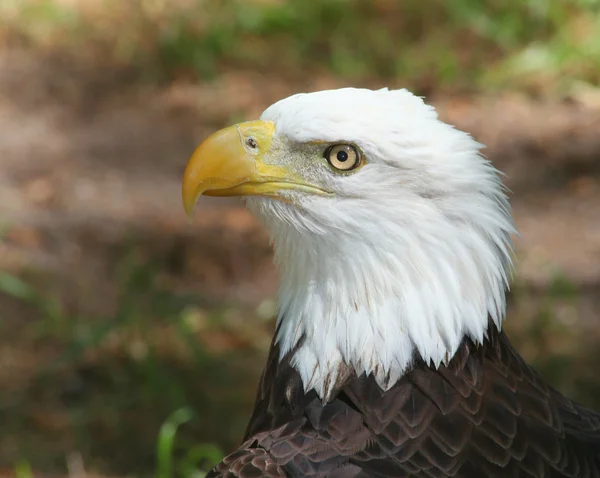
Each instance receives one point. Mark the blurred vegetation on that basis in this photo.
(105, 387)
(144, 389)
(538, 45)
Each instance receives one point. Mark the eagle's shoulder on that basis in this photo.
(485, 413)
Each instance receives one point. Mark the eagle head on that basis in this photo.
(392, 233)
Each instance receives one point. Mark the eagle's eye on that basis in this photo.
(343, 157)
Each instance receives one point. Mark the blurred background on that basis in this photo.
(131, 340)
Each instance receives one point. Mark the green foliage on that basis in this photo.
(43, 21)
(15, 287)
(205, 455)
(564, 52)
(423, 44)
(115, 378)
(23, 470)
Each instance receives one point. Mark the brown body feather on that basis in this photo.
(485, 414)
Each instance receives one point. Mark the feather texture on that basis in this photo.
(411, 252)
(485, 414)
(388, 359)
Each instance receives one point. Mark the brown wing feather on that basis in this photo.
(485, 414)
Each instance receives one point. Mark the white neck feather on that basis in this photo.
(372, 299)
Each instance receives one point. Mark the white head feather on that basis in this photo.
(412, 252)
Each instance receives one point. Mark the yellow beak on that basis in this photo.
(230, 163)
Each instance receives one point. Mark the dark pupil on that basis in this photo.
(342, 156)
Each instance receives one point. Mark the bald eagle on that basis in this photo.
(392, 236)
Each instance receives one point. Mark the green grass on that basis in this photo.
(169, 463)
(196, 456)
(536, 45)
(136, 391)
